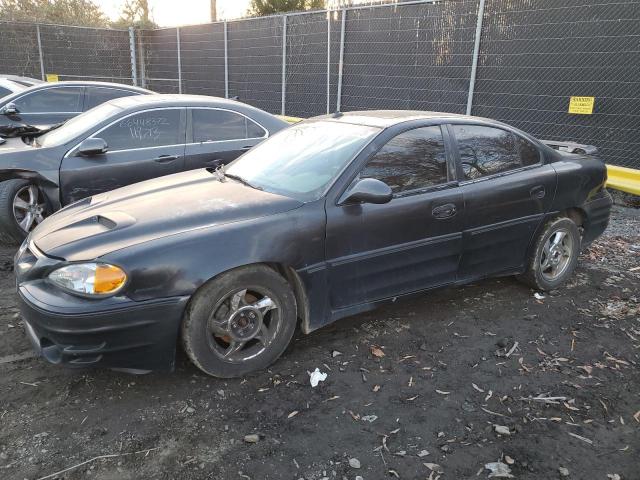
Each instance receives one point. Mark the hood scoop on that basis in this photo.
(85, 227)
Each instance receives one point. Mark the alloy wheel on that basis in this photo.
(556, 255)
(243, 324)
(28, 207)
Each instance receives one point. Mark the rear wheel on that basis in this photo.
(555, 255)
(22, 208)
(239, 322)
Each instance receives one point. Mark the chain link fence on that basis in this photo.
(71, 53)
(518, 61)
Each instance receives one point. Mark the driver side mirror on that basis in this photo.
(369, 190)
(9, 109)
(92, 146)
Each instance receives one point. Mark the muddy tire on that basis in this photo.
(239, 322)
(11, 233)
(555, 255)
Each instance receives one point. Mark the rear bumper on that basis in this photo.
(598, 212)
(133, 336)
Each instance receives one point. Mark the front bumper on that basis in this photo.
(132, 335)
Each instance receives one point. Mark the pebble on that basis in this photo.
(354, 463)
(252, 438)
(564, 472)
(190, 409)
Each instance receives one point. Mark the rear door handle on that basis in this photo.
(447, 210)
(538, 192)
(165, 158)
(246, 147)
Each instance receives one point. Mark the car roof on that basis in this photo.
(23, 80)
(12, 85)
(80, 83)
(388, 118)
(176, 100)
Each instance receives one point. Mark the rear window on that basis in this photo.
(98, 95)
(486, 151)
(51, 100)
(211, 125)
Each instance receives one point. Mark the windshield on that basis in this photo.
(77, 125)
(301, 161)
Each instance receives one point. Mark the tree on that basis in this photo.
(64, 12)
(269, 7)
(214, 10)
(135, 13)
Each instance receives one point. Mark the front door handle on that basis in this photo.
(246, 147)
(538, 192)
(165, 158)
(447, 210)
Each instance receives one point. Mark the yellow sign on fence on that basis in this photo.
(582, 105)
(52, 77)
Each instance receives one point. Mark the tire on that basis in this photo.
(10, 231)
(219, 318)
(541, 278)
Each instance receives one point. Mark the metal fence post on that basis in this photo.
(141, 51)
(134, 61)
(284, 65)
(341, 64)
(226, 62)
(476, 52)
(42, 74)
(179, 60)
(328, 61)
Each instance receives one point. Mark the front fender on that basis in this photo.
(177, 265)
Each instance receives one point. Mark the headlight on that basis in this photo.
(90, 278)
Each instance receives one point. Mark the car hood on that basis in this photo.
(149, 210)
(14, 144)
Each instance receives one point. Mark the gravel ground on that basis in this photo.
(432, 387)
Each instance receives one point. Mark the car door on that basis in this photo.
(411, 243)
(94, 96)
(507, 189)
(140, 146)
(48, 106)
(218, 136)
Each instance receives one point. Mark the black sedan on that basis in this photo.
(328, 218)
(47, 104)
(120, 142)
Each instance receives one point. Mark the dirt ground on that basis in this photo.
(432, 387)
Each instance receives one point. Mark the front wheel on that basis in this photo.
(22, 208)
(555, 255)
(239, 322)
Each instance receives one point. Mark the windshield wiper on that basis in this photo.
(240, 179)
(222, 176)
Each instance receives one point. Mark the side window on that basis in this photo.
(413, 159)
(486, 150)
(529, 154)
(154, 128)
(51, 100)
(210, 125)
(98, 95)
(4, 92)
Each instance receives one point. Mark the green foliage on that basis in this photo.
(64, 12)
(135, 13)
(269, 7)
